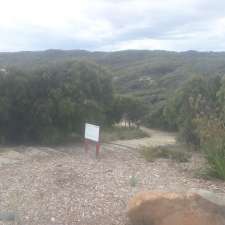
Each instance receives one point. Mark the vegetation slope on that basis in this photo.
(151, 76)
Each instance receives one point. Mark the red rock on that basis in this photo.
(159, 208)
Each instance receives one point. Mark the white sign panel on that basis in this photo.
(92, 132)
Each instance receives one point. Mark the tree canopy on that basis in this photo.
(54, 100)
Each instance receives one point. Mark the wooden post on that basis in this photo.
(97, 149)
(91, 135)
(86, 145)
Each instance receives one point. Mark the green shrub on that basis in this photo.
(212, 136)
(196, 98)
(43, 104)
(52, 136)
(214, 150)
(204, 173)
(174, 152)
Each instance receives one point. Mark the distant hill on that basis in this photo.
(133, 70)
(149, 75)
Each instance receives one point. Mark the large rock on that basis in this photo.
(160, 208)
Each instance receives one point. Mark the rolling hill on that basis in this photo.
(149, 75)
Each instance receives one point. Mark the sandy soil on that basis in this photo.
(156, 138)
(65, 186)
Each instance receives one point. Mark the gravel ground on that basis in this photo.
(66, 186)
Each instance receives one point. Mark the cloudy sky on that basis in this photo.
(110, 25)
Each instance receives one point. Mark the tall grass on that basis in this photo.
(177, 153)
(212, 133)
(214, 150)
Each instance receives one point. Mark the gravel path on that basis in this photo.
(65, 186)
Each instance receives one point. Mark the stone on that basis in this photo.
(216, 198)
(7, 216)
(168, 208)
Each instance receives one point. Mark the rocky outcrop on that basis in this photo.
(192, 208)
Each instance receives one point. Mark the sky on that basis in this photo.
(112, 25)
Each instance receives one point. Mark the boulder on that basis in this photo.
(162, 208)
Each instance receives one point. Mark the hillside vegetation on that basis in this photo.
(47, 103)
(47, 95)
(151, 76)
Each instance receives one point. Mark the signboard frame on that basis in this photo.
(92, 132)
(92, 135)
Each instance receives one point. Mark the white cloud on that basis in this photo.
(135, 44)
(112, 24)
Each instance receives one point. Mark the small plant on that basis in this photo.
(180, 156)
(203, 173)
(133, 181)
(174, 152)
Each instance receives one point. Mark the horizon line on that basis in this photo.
(112, 51)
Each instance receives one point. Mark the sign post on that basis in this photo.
(92, 135)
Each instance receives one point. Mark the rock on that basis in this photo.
(7, 216)
(218, 199)
(161, 208)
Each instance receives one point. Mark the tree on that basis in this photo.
(129, 109)
(50, 102)
(196, 98)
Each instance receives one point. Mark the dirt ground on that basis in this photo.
(66, 186)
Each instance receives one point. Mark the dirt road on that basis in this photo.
(65, 186)
(156, 138)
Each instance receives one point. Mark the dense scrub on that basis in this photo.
(150, 76)
(197, 111)
(50, 102)
(49, 95)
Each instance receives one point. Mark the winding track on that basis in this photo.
(156, 138)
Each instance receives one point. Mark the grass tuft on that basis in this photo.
(214, 150)
(177, 153)
(133, 181)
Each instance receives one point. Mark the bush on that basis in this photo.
(214, 150)
(174, 152)
(212, 133)
(52, 136)
(45, 104)
(197, 98)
